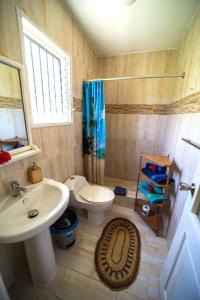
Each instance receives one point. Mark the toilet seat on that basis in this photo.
(95, 194)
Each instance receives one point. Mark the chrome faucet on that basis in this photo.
(17, 189)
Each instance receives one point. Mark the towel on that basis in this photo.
(4, 157)
(155, 197)
(120, 191)
(156, 176)
(156, 168)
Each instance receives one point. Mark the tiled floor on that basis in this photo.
(76, 277)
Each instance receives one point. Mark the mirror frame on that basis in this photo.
(31, 149)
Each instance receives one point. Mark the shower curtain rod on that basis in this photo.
(138, 77)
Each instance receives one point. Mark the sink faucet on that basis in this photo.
(17, 189)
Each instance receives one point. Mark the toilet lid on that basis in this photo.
(95, 193)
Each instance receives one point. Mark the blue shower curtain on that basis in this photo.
(94, 132)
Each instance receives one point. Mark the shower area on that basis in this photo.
(137, 96)
(151, 104)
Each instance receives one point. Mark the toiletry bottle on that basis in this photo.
(35, 173)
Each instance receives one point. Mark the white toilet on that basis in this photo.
(94, 198)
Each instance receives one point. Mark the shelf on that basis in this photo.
(153, 220)
(151, 180)
(22, 155)
(157, 159)
(14, 140)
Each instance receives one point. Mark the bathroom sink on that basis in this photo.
(47, 200)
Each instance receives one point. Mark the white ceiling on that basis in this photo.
(115, 28)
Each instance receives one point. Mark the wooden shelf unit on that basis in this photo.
(154, 219)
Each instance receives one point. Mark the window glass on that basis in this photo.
(49, 78)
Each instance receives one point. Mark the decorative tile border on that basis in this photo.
(8, 102)
(145, 109)
(189, 104)
(160, 109)
(129, 109)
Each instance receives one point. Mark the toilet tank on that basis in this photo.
(75, 183)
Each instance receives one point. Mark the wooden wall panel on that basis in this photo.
(188, 104)
(54, 19)
(61, 146)
(127, 137)
(164, 96)
(9, 35)
(154, 91)
(128, 134)
(187, 59)
(9, 82)
(140, 96)
(185, 158)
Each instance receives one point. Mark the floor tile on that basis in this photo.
(76, 258)
(51, 297)
(93, 230)
(126, 296)
(26, 291)
(153, 289)
(76, 286)
(138, 288)
(149, 269)
(88, 242)
(94, 274)
(58, 278)
(153, 257)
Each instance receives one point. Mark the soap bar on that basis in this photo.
(35, 174)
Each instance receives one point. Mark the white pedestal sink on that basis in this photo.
(50, 199)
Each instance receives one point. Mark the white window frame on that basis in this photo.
(41, 38)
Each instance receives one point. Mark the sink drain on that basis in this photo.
(33, 213)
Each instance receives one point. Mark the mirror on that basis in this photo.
(13, 129)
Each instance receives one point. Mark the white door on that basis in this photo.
(180, 276)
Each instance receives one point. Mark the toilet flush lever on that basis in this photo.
(187, 187)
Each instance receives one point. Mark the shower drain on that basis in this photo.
(33, 213)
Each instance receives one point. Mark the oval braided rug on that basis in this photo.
(117, 254)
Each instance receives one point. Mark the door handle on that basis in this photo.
(187, 187)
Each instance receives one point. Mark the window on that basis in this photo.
(49, 78)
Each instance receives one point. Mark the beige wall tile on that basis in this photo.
(138, 91)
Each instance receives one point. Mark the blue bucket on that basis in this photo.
(64, 229)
